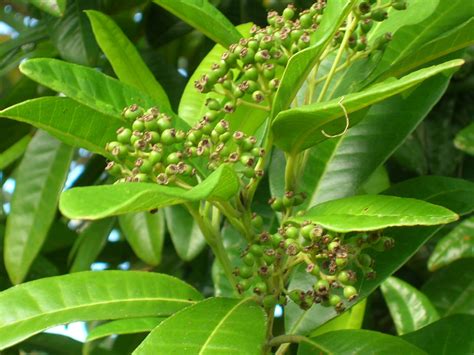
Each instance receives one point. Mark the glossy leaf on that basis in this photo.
(410, 309)
(86, 85)
(39, 181)
(202, 15)
(32, 307)
(465, 139)
(185, 234)
(124, 326)
(360, 342)
(52, 344)
(451, 288)
(300, 64)
(145, 232)
(127, 63)
(338, 167)
(459, 243)
(72, 34)
(449, 335)
(14, 152)
(90, 243)
(69, 121)
(216, 325)
(52, 7)
(409, 41)
(300, 128)
(373, 212)
(455, 194)
(96, 202)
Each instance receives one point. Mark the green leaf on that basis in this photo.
(447, 336)
(69, 121)
(409, 45)
(336, 169)
(39, 181)
(124, 326)
(300, 64)
(203, 16)
(14, 152)
(90, 243)
(52, 344)
(302, 127)
(72, 34)
(451, 288)
(52, 7)
(465, 139)
(32, 307)
(145, 232)
(86, 85)
(410, 309)
(360, 342)
(96, 202)
(185, 234)
(125, 59)
(373, 212)
(455, 194)
(459, 243)
(216, 325)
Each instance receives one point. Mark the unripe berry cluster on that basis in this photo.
(331, 257)
(151, 150)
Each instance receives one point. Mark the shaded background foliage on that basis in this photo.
(172, 50)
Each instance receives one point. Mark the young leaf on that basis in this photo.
(89, 244)
(455, 194)
(52, 7)
(451, 288)
(125, 59)
(86, 85)
(345, 342)
(185, 234)
(373, 212)
(465, 139)
(69, 121)
(39, 181)
(410, 309)
(449, 335)
(459, 243)
(203, 16)
(124, 326)
(302, 127)
(335, 170)
(96, 202)
(300, 64)
(145, 232)
(32, 307)
(216, 325)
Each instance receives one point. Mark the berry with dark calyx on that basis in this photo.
(269, 301)
(306, 231)
(229, 107)
(257, 221)
(171, 170)
(276, 240)
(321, 286)
(243, 285)
(276, 204)
(341, 262)
(168, 136)
(269, 71)
(264, 271)
(361, 44)
(151, 123)
(140, 178)
(268, 257)
(366, 25)
(174, 158)
(343, 277)
(258, 96)
(381, 42)
(120, 151)
(146, 166)
(299, 199)
(274, 84)
(113, 168)
(138, 125)
(289, 12)
(296, 295)
(399, 4)
(164, 122)
(304, 41)
(288, 199)
(379, 15)
(260, 288)
(248, 172)
(262, 56)
(334, 300)
(313, 269)
(384, 244)
(162, 179)
(247, 55)
(364, 7)
(132, 112)
(333, 246)
(124, 135)
(350, 293)
(291, 247)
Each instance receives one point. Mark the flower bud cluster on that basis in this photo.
(152, 150)
(330, 257)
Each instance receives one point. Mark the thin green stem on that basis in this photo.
(251, 104)
(339, 54)
(284, 340)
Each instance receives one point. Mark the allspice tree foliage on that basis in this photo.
(248, 197)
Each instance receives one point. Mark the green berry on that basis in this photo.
(321, 286)
(292, 232)
(364, 7)
(256, 250)
(246, 272)
(366, 25)
(364, 260)
(243, 285)
(174, 158)
(269, 301)
(257, 221)
(168, 136)
(350, 293)
(276, 240)
(276, 204)
(288, 13)
(291, 247)
(296, 295)
(343, 277)
(138, 125)
(379, 15)
(113, 168)
(124, 135)
(249, 259)
(146, 166)
(164, 123)
(132, 112)
(306, 20)
(120, 151)
(260, 288)
(341, 262)
(399, 4)
(334, 300)
(313, 269)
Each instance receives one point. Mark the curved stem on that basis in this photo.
(293, 338)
